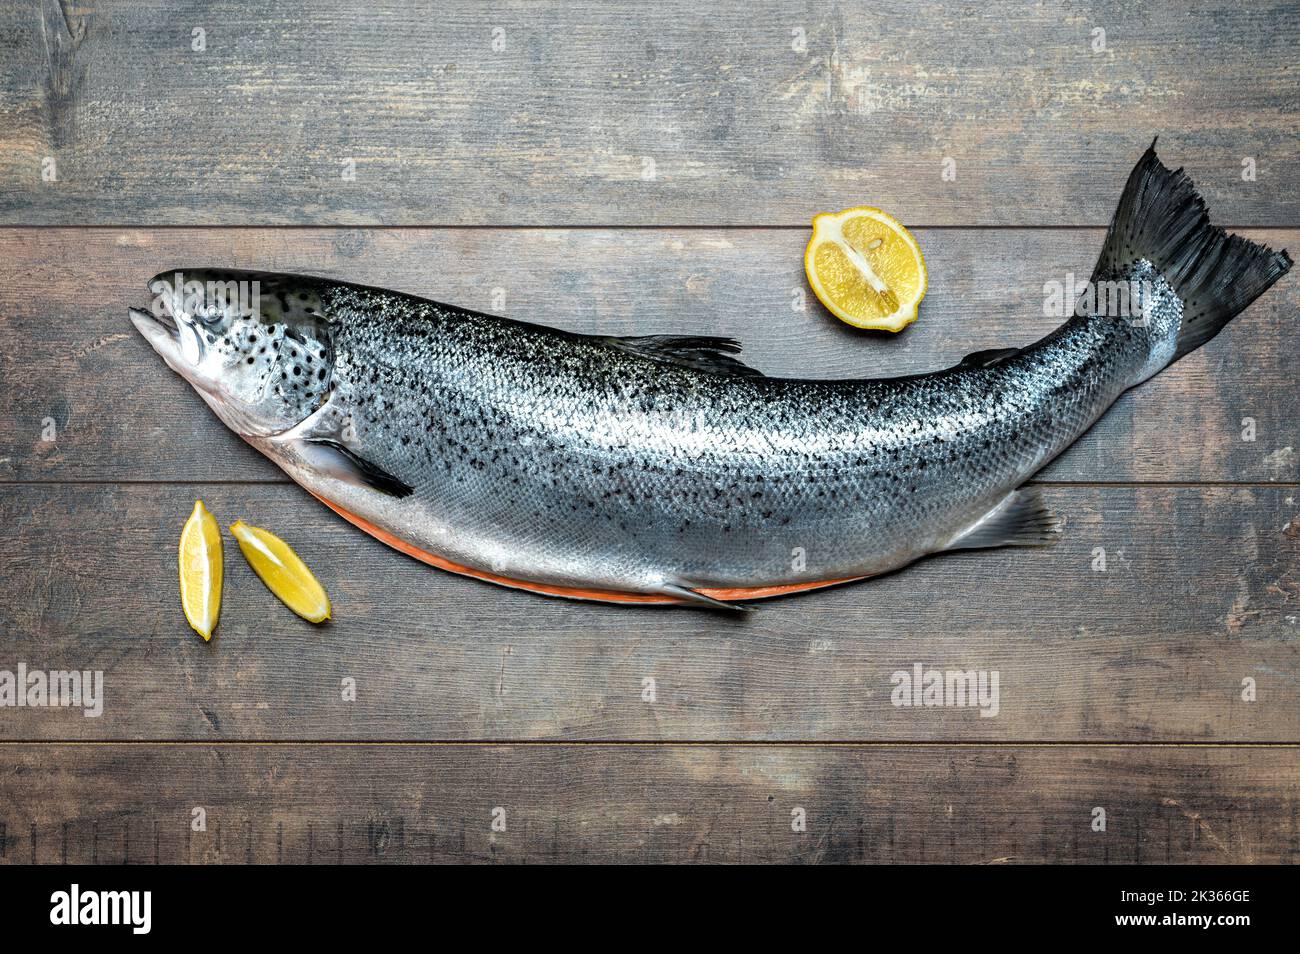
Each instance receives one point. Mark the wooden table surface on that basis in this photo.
(641, 168)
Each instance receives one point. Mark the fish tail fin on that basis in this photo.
(1162, 219)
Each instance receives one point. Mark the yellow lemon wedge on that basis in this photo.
(201, 570)
(282, 571)
(866, 268)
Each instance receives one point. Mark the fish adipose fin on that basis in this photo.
(1020, 520)
(1162, 218)
(986, 359)
(690, 351)
(331, 457)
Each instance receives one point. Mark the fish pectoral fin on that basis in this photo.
(694, 596)
(987, 358)
(1021, 519)
(700, 352)
(332, 458)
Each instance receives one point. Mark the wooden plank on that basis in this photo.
(72, 367)
(327, 804)
(552, 113)
(1201, 591)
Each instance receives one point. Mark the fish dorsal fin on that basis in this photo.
(702, 353)
(987, 358)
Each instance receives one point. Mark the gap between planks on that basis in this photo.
(649, 743)
(579, 227)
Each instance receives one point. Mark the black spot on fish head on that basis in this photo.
(239, 332)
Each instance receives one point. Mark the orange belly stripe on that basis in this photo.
(569, 592)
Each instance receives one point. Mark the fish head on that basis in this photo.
(256, 347)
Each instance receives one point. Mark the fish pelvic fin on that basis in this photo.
(1162, 219)
(1021, 519)
(689, 595)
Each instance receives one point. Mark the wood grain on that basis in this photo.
(399, 803)
(550, 113)
(641, 169)
(70, 360)
(1201, 591)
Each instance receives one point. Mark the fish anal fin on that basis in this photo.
(714, 355)
(333, 458)
(1021, 519)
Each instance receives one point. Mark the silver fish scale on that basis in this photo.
(552, 457)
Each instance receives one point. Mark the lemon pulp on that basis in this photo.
(866, 268)
(201, 570)
(282, 571)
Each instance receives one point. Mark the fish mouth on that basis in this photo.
(149, 324)
(180, 347)
(161, 332)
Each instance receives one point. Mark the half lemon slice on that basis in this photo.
(201, 571)
(866, 268)
(282, 571)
